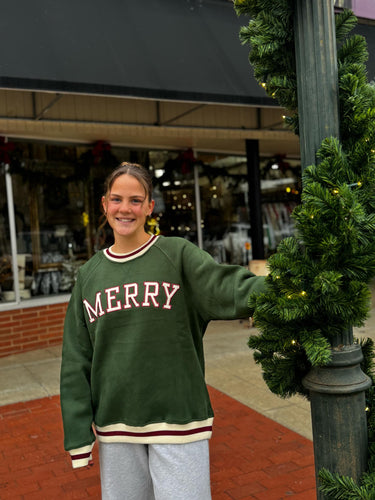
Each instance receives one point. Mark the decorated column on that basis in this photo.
(307, 59)
(336, 390)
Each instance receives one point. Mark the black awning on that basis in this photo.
(160, 49)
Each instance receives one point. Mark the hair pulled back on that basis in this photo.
(135, 170)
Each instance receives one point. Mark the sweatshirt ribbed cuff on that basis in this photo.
(81, 456)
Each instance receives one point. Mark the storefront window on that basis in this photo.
(174, 194)
(281, 193)
(54, 217)
(225, 208)
(48, 210)
(56, 214)
(224, 219)
(57, 193)
(224, 201)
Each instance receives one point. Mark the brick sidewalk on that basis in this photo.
(252, 457)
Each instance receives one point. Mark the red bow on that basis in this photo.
(5, 149)
(100, 147)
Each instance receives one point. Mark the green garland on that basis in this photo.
(318, 281)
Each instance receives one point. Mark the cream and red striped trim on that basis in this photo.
(116, 257)
(81, 456)
(161, 433)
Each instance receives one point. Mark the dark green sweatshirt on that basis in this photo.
(132, 362)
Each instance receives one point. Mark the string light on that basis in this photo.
(358, 184)
(294, 342)
(335, 191)
(303, 293)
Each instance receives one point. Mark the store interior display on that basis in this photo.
(57, 215)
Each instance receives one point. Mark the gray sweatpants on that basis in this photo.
(155, 472)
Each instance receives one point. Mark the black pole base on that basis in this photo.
(338, 413)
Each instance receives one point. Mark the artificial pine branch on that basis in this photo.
(344, 22)
(318, 279)
(338, 487)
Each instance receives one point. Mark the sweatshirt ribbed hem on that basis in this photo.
(160, 433)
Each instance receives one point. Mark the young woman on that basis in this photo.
(132, 372)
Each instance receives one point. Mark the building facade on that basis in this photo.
(162, 83)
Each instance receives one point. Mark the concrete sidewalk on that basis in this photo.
(261, 446)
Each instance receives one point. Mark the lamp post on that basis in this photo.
(337, 390)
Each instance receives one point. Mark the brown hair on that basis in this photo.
(137, 171)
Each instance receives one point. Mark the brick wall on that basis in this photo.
(31, 328)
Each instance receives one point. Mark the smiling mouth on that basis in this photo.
(124, 220)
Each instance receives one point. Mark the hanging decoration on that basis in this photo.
(187, 160)
(100, 154)
(101, 151)
(6, 149)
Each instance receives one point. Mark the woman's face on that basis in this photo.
(127, 207)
